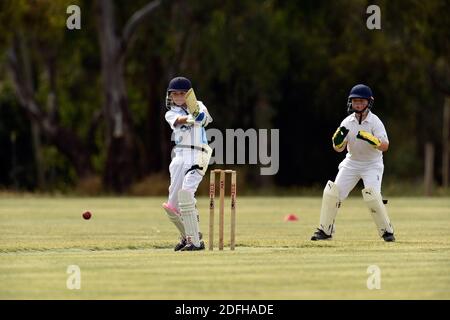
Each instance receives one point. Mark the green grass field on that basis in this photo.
(125, 251)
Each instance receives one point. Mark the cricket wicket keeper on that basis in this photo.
(363, 135)
(188, 118)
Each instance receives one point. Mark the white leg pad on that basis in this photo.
(189, 215)
(175, 217)
(203, 158)
(378, 211)
(330, 206)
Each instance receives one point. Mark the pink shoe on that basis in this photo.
(169, 207)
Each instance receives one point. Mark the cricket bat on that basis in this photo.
(191, 102)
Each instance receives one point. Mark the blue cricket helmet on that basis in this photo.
(360, 91)
(179, 84)
(176, 84)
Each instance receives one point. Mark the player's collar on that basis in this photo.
(179, 109)
(367, 119)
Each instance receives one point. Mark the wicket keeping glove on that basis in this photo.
(364, 135)
(339, 137)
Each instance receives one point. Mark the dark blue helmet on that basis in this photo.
(179, 84)
(360, 91)
(176, 84)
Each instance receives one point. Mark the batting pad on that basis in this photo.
(189, 216)
(203, 158)
(175, 218)
(330, 206)
(378, 211)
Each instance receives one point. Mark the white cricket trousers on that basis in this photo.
(349, 175)
(180, 180)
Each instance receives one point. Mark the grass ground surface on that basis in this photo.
(125, 251)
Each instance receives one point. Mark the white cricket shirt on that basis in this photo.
(187, 134)
(359, 150)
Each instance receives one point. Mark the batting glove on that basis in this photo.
(364, 135)
(339, 137)
(190, 119)
(200, 119)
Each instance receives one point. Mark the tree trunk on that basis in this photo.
(119, 170)
(65, 140)
(446, 143)
(24, 56)
(122, 152)
(155, 119)
(429, 169)
(38, 156)
(121, 148)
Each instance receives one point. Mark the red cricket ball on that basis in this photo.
(87, 215)
(291, 217)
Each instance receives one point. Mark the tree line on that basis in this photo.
(89, 102)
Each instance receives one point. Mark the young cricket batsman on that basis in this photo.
(364, 136)
(187, 118)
